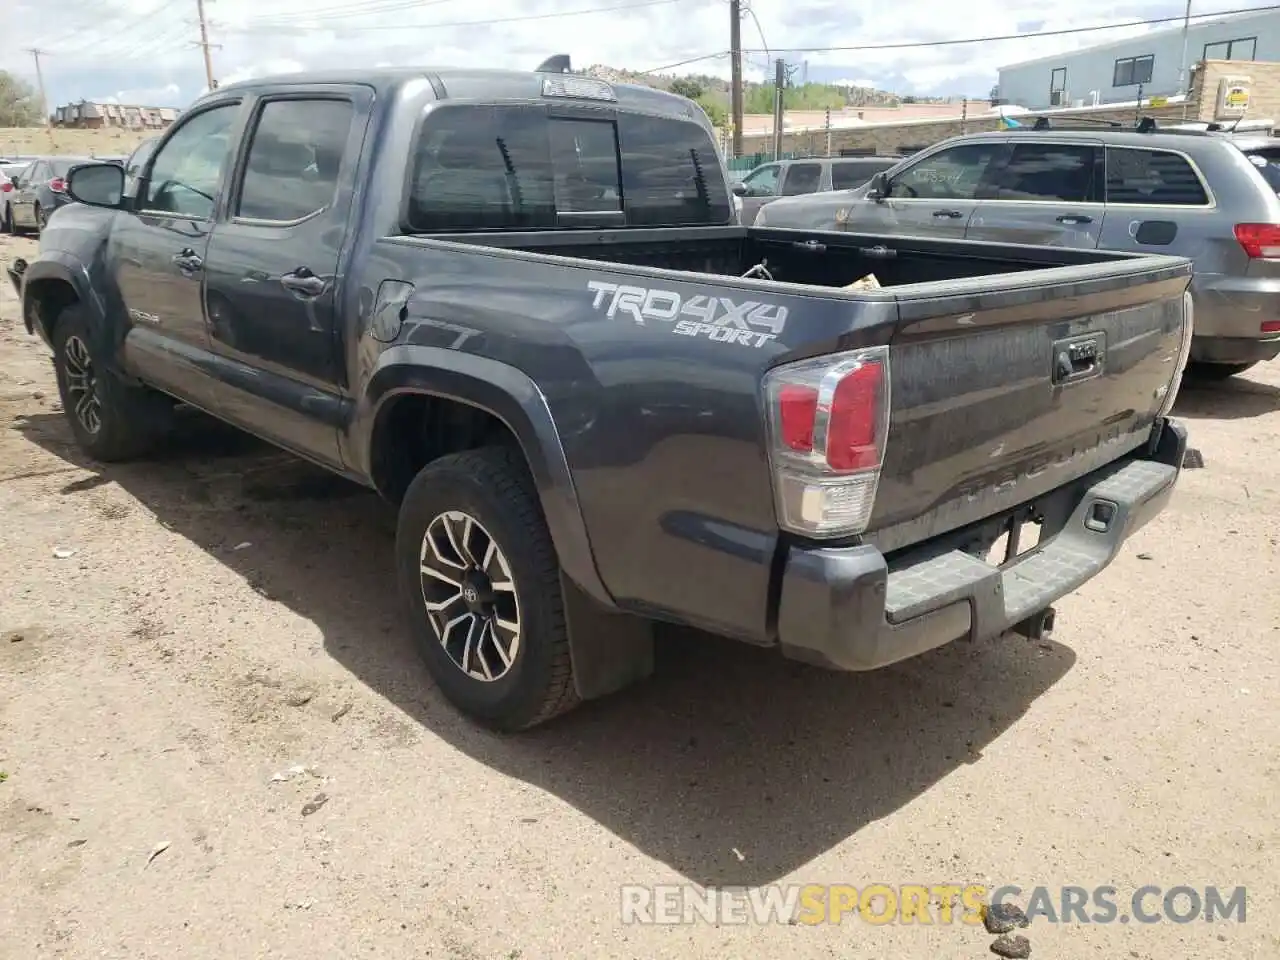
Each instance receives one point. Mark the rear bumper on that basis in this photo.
(845, 608)
(1235, 349)
(1230, 312)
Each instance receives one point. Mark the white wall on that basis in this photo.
(1091, 69)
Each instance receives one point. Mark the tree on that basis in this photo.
(715, 110)
(686, 88)
(19, 105)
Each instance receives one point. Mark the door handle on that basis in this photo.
(1074, 218)
(187, 260)
(951, 214)
(305, 282)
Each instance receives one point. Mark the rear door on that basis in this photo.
(933, 197)
(1048, 193)
(801, 177)
(272, 272)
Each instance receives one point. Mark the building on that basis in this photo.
(1113, 72)
(90, 115)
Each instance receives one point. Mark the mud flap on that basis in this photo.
(609, 650)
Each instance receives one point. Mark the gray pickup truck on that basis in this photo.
(518, 306)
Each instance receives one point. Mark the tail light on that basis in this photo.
(1184, 354)
(827, 419)
(1261, 241)
(6, 186)
(58, 185)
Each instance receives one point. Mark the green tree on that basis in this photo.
(19, 105)
(686, 88)
(716, 112)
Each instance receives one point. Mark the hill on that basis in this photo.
(76, 143)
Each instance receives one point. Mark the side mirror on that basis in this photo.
(739, 189)
(877, 187)
(96, 184)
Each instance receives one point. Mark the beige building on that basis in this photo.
(90, 115)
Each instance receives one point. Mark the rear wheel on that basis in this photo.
(111, 419)
(42, 219)
(482, 583)
(1200, 370)
(6, 221)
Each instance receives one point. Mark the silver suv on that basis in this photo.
(1202, 194)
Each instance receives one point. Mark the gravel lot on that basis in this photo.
(226, 614)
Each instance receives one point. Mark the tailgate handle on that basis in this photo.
(1077, 358)
(1074, 218)
(952, 214)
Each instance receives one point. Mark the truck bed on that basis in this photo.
(665, 413)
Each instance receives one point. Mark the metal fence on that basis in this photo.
(750, 161)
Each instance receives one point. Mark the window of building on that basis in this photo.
(1130, 71)
(1243, 49)
(1152, 177)
(294, 159)
(1048, 171)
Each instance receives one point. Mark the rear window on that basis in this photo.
(802, 178)
(62, 165)
(846, 176)
(1267, 160)
(516, 168)
(1152, 177)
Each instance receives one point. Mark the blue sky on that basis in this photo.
(143, 51)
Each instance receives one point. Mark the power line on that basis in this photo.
(347, 11)
(470, 23)
(1013, 36)
(681, 63)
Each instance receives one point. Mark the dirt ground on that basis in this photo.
(175, 634)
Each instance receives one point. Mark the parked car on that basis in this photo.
(9, 172)
(1204, 194)
(789, 178)
(593, 414)
(40, 191)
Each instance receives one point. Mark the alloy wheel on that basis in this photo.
(82, 384)
(470, 596)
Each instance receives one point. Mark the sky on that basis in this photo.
(146, 51)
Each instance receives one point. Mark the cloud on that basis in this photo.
(137, 47)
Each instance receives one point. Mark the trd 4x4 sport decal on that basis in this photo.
(750, 323)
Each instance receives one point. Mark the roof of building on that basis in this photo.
(1204, 20)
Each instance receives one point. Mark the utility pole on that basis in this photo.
(1183, 86)
(779, 74)
(204, 45)
(44, 100)
(828, 126)
(735, 81)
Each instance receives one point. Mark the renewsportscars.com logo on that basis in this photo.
(921, 904)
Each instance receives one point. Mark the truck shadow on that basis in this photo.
(1233, 399)
(731, 766)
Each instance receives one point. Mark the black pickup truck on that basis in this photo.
(518, 305)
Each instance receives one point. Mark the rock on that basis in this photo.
(1015, 948)
(314, 804)
(1003, 917)
(1193, 459)
(1144, 556)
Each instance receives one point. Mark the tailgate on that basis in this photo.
(1006, 387)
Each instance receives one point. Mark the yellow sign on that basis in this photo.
(1158, 102)
(1237, 98)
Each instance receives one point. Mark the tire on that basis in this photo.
(111, 420)
(1200, 370)
(514, 679)
(41, 218)
(6, 222)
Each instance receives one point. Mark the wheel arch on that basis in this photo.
(50, 284)
(483, 396)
